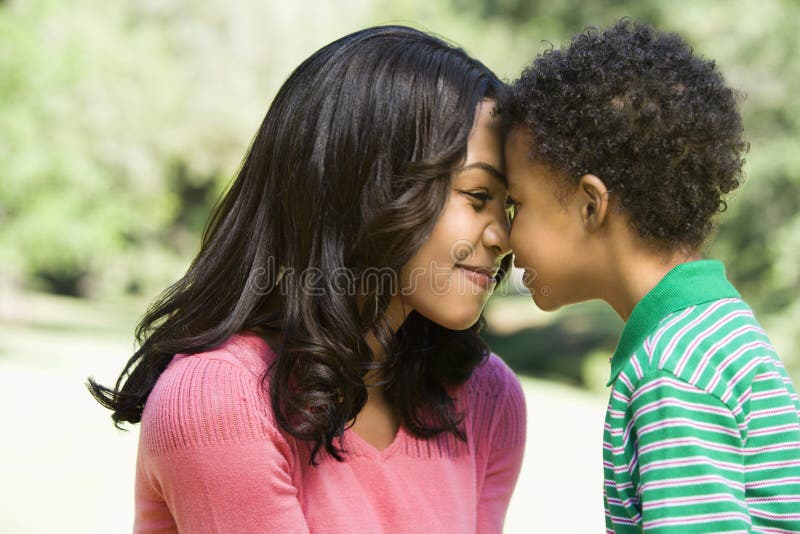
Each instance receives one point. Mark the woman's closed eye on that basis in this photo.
(479, 198)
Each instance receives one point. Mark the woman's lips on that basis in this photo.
(480, 276)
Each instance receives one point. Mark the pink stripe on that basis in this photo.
(769, 394)
(732, 358)
(655, 384)
(691, 481)
(767, 376)
(671, 422)
(680, 404)
(706, 334)
(690, 520)
(624, 378)
(634, 465)
(682, 332)
(758, 414)
(677, 442)
(768, 515)
(739, 376)
(628, 430)
(777, 499)
(773, 465)
(618, 502)
(773, 430)
(716, 348)
(692, 460)
(619, 396)
(773, 482)
(661, 331)
(771, 448)
(680, 501)
(637, 369)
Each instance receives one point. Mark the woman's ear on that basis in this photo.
(593, 199)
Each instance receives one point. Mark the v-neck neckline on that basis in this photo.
(365, 448)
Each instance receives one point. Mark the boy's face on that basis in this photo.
(547, 236)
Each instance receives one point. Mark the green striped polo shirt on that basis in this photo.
(702, 432)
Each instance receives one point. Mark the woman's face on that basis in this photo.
(452, 275)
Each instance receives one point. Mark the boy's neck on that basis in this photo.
(635, 270)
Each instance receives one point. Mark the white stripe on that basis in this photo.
(682, 332)
(716, 347)
(708, 333)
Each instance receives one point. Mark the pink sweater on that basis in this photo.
(213, 459)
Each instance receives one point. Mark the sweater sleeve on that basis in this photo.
(688, 457)
(501, 439)
(210, 456)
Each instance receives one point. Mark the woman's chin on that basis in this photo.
(456, 321)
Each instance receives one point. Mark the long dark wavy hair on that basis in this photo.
(348, 173)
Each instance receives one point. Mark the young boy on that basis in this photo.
(620, 149)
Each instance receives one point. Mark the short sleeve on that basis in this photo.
(689, 459)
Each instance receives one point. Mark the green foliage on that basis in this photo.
(756, 44)
(121, 122)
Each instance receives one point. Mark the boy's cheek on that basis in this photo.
(519, 247)
(520, 259)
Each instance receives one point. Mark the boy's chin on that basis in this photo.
(545, 303)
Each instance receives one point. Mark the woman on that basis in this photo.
(328, 375)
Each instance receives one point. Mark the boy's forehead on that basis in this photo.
(519, 141)
(525, 171)
(517, 150)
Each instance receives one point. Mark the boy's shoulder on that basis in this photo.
(700, 338)
(717, 347)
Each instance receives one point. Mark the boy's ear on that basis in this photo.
(593, 197)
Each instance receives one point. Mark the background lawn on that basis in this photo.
(67, 469)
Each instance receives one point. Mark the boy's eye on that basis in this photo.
(511, 208)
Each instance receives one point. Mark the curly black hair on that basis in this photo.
(637, 108)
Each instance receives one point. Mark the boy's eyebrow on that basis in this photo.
(491, 169)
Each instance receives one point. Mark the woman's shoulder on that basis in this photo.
(246, 351)
(493, 377)
(495, 403)
(211, 397)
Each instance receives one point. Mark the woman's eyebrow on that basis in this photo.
(491, 169)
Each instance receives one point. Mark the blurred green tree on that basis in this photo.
(122, 122)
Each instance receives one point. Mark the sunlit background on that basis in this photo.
(122, 121)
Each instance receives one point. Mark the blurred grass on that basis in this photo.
(63, 454)
(563, 345)
(573, 344)
(62, 449)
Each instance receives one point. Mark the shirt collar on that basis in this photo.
(688, 284)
